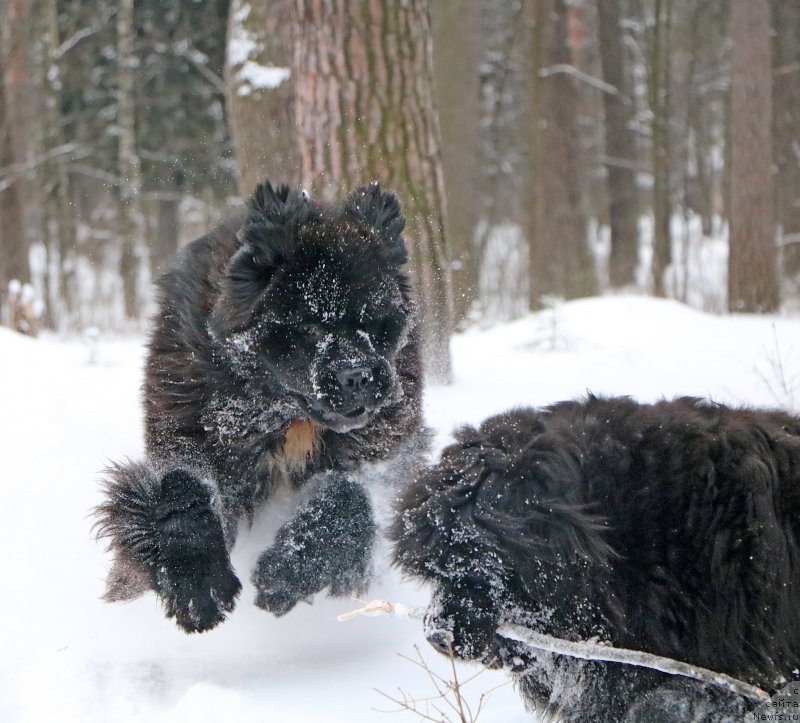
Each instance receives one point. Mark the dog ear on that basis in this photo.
(274, 215)
(266, 240)
(380, 210)
(246, 278)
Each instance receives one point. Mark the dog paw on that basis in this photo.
(198, 594)
(192, 572)
(283, 579)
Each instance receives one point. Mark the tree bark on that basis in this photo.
(365, 111)
(752, 266)
(259, 92)
(620, 150)
(560, 261)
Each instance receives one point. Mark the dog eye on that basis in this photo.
(384, 330)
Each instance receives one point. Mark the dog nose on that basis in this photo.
(356, 380)
(441, 640)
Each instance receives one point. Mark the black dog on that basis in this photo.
(672, 528)
(284, 354)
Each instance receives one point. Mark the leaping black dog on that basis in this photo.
(284, 353)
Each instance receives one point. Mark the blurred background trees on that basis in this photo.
(542, 148)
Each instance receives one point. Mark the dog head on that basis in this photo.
(316, 303)
(498, 528)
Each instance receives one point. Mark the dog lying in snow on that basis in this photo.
(671, 528)
(284, 354)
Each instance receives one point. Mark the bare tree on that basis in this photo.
(365, 111)
(59, 219)
(14, 159)
(560, 261)
(457, 41)
(786, 99)
(659, 88)
(259, 92)
(132, 229)
(620, 147)
(504, 181)
(752, 267)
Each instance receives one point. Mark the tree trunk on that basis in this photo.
(456, 53)
(560, 261)
(164, 246)
(659, 82)
(13, 143)
(502, 196)
(132, 229)
(364, 108)
(61, 225)
(620, 150)
(752, 266)
(259, 92)
(786, 96)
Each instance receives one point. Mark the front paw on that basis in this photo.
(283, 579)
(192, 573)
(328, 543)
(285, 576)
(197, 593)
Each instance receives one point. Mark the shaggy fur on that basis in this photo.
(284, 355)
(672, 528)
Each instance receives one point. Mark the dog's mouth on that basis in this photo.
(336, 421)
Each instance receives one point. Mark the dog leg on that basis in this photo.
(328, 543)
(166, 532)
(689, 702)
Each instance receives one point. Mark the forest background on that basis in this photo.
(542, 149)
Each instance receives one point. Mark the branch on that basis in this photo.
(584, 650)
(214, 80)
(580, 75)
(587, 650)
(73, 40)
(9, 174)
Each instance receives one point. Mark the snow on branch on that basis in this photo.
(580, 75)
(584, 650)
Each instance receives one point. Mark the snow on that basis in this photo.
(68, 656)
(254, 76)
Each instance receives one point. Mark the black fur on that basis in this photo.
(295, 316)
(334, 531)
(672, 528)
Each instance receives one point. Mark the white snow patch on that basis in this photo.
(254, 76)
(68, 656)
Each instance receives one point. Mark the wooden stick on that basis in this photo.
(585, 650)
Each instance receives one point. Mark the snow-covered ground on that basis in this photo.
(67, 656)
